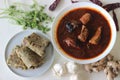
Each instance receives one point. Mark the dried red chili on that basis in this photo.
(115, 20)
(112, 6)
(54, 5)
(98, 2)
(75, 1)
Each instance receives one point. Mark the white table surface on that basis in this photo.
(7, 30)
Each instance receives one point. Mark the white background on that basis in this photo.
(7, 30)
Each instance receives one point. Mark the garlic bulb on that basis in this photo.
(59, 69)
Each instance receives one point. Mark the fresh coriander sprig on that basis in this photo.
(35, 18)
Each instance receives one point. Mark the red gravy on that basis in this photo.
(84, 52)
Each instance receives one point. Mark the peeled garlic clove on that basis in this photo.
(72, 67)
(59, 69)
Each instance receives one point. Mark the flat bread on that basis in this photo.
(14, 61)
(36, 43)
(29, 58)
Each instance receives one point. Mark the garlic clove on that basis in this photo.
(72, 67)
(59, 69)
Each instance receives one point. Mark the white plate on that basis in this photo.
(16, 40)
(7, 29)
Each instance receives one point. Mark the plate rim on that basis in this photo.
(40, 33)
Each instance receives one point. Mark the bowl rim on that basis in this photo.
(84, 5)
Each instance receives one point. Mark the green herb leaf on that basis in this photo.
(33, 18)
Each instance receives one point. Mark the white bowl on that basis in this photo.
(84, 5)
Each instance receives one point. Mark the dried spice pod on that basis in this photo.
(54, 5)
(115, 20)
(112, 6)
(98, 2)
(75, 1)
